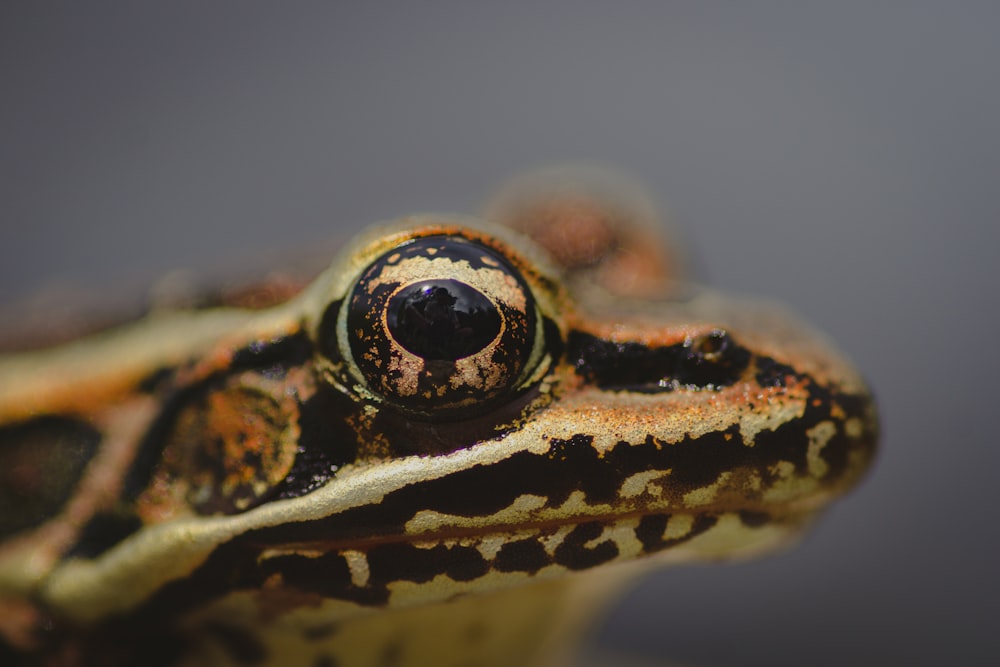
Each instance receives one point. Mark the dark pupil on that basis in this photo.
(442, 319)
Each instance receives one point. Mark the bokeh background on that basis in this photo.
(841, 157)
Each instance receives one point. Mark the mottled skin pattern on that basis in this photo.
(444, 451)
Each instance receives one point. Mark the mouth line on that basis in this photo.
(752, 516)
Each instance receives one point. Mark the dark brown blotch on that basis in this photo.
(574, 555)
(41, 464)
(527, 555)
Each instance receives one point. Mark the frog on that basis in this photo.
(453, 446)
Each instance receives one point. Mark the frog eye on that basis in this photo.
(441, 326)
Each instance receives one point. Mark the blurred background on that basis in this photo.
(841, 157)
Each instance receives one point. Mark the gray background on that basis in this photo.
(843, 158)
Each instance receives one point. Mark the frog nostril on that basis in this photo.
(711, 359)
(712, 346)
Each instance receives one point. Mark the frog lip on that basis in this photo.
(469, 535)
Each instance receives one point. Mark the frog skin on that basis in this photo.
(448, 449)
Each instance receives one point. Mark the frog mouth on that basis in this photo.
(571, 504)
(394, 571)
(792, 468)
